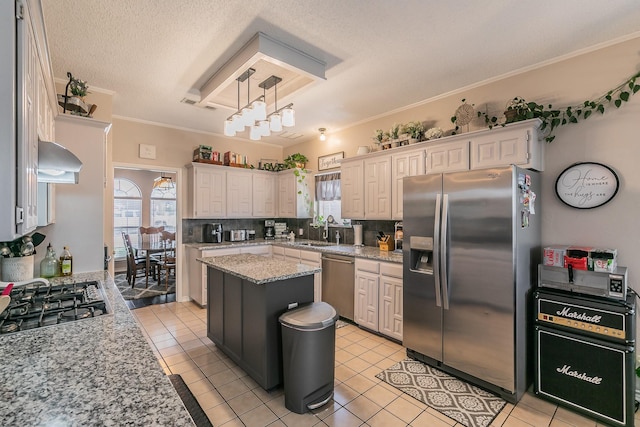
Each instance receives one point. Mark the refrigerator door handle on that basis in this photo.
(443, 251)
(436, 251)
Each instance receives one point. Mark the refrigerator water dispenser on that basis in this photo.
(421, 249)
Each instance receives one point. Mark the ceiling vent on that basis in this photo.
(268, 57)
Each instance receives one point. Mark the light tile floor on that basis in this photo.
(177, 334)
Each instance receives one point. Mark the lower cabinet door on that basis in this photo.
(366, 300)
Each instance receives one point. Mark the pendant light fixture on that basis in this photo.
(254, 114)
(163, 182)
(323, 137)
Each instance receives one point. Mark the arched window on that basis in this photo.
(127, 213)
(163, 208)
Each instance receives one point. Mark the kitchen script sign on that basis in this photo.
(330, 161)
(587, 185)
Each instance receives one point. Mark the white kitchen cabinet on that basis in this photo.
(263, 250)
(352, 189)
(406, 163)
(198, 271)
(239, 193)
(378, 297)
(366, 293)
(517, 144)
(390, 300)
(207, 191)
(314, 259)
(377, 188)
(277, 252)
(295, 194)
(451, 156)
(265, 187)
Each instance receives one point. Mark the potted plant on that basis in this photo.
(296, 160)
(78, 88)
(516, 109)
(378, 137)
(433, 133)
(394, 133)
(415, 130)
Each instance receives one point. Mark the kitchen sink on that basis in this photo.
(314, 244)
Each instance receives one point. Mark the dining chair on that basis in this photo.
(167, 262)
(135, 264)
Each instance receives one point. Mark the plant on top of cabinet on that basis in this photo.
(415, 130)
(296, 160)
(78, 87)
(518, 109)
(434, 133)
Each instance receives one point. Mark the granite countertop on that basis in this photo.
(259, 269)
(369, 252)
(96, 371)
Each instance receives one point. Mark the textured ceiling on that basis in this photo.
(380, 54)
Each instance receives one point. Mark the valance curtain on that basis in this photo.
(328, 187)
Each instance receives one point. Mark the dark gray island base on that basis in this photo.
(246, 295)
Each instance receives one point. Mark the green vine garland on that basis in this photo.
(552, 118)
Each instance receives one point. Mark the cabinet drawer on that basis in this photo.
(292, 253)
(220, 252)
(366, 265)
(311, 256)
(277, 250)
(391, 269)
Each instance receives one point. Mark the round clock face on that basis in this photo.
(587, 185)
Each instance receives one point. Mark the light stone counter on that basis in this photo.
(259, 269)
(369, 252)
(91, 372)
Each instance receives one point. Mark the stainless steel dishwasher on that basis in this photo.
(338, 283)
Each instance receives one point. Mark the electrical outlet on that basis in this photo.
(190, 231)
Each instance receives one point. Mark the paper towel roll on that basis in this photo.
(357, 235)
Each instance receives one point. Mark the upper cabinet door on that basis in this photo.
(517, 144)
(207, 195)
(409, 163)
(352, 188)
(239, 194)
(264, 194)
(377, 183)
(450, 156)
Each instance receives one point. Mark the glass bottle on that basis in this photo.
(65, 262)
(49, 264)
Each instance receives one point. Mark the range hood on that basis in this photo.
(56, 164)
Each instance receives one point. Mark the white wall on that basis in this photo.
(611, 139)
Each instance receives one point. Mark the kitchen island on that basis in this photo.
(247, 294)
(97, 371)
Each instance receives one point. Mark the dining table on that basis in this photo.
(150, 247)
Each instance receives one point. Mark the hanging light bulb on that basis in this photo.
(229, 128)
(288, 116)
(275, 122)
(323, 137)
(254, 133)
(264, 128)
(259, 109)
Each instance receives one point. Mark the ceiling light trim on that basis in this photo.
(265, 48)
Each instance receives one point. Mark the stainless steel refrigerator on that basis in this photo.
(472, 244)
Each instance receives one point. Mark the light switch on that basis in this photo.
(147, 151)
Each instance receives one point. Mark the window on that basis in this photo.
(328, 195)
(163, 208)
(127, 213)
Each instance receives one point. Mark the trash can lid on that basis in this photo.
(317, 315)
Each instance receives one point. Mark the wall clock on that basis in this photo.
(587, 185)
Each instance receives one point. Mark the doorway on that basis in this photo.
(141, 197)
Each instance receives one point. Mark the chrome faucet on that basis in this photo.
(337, 237)
(325, 233)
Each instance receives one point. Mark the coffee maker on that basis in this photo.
(270, 229)
(212, 233)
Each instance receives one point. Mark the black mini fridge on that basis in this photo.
(585, 354)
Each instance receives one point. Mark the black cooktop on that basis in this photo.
(38, 304)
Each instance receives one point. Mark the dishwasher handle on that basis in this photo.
(341, 261)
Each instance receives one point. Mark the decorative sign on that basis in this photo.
(330, 161)
(587, 185)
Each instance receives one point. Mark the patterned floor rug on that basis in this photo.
(458, 400)
(139, 290)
